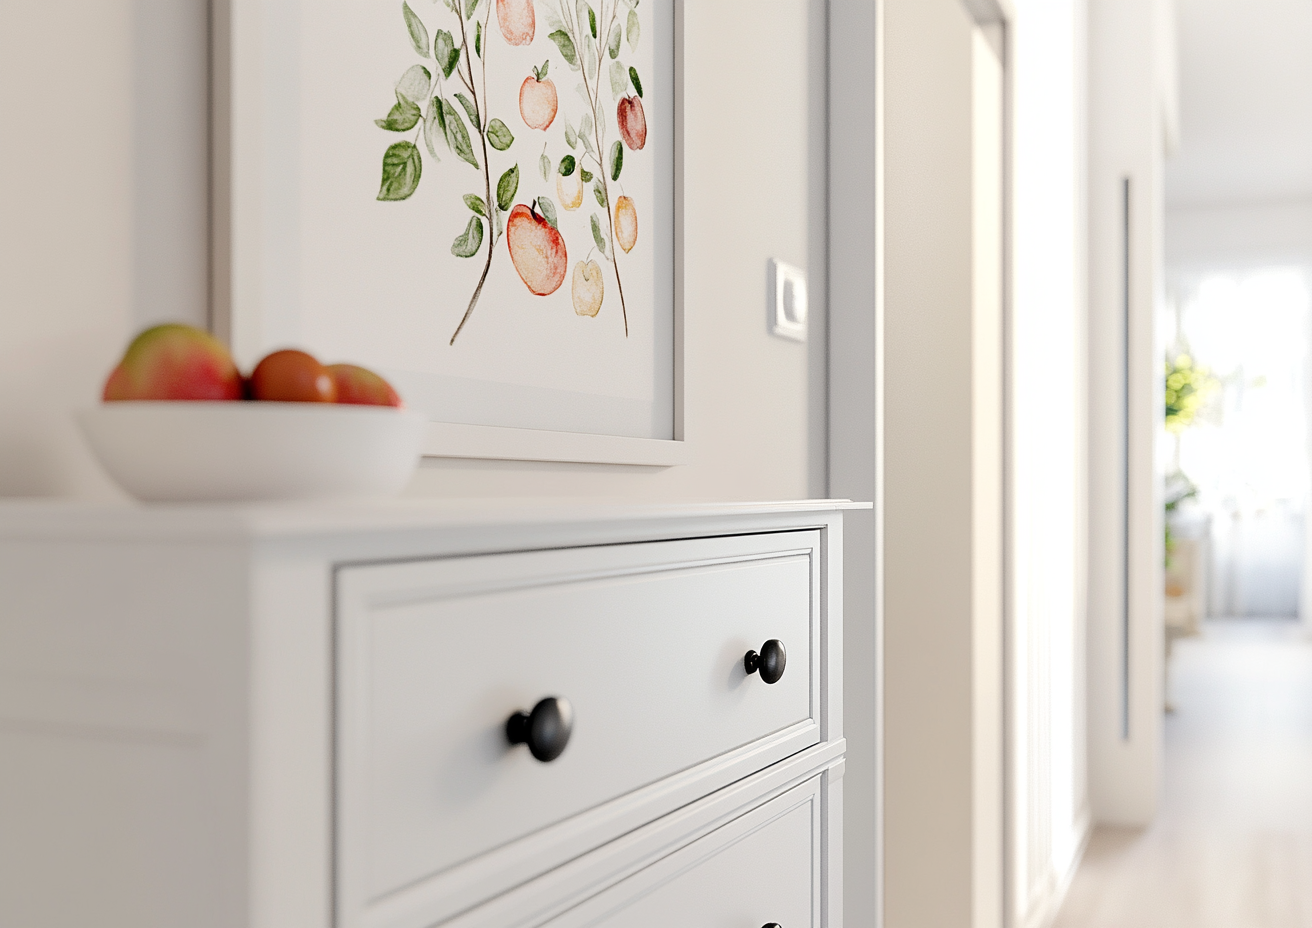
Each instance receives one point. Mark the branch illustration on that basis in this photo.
(444, 122)
(585, 39)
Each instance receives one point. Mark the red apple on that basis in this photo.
(517, 22)
(632, 121)
(291, 376)
(537, 102)
(174, 362)
(359, 386)
(537, 250)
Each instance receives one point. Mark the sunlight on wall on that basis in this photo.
(1050, 805)
(1247, 451)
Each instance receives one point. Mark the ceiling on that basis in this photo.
(1245, 103)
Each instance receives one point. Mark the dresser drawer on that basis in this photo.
(761, 869)
(645, 641)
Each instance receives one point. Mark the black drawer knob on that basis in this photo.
(772, 925)
(769, 663)
(545, 730)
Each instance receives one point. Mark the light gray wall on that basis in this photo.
(103, 186)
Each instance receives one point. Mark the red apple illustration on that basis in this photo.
(537, 99)
(175, 362)
(517, 22)
(633, 122)
(359, 386)
(537, 250)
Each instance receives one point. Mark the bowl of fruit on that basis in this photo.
(179, 423)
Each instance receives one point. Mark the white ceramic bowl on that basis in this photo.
(203, 451)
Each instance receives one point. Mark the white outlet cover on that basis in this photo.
(787, 301)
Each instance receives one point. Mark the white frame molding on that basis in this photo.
(240, 226)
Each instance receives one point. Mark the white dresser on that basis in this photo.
(302, 717)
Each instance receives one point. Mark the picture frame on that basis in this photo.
(279, 220)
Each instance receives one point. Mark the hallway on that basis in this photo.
(1232, 845)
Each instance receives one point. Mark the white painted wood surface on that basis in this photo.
(167, 721)
(761, 868)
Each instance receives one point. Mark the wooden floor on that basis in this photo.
(1232, 847)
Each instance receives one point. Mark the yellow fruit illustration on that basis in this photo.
(570, 190)
(626, 223)
(589, 289)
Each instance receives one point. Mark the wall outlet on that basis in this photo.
(787, 301)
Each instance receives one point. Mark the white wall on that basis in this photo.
(103, 229)
(942, 482)
(1049, 812)
(1128, 110)
(1237, 236)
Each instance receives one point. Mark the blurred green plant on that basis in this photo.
(1189, 387)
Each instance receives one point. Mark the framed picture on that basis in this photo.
(475, 198)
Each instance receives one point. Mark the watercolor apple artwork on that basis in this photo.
(537, 99)
(589, 289)
(537, 249)
(632, 122)
(174, 362)
(291, 376)
(359, 386)
(517, 21)
(569, 183)
(626, 223)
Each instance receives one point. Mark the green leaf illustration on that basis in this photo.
(507, 187)
(540, 74)
(585, 126)
(571, 139)
(467, 243)
(469, 109)
(635, 31)
(619, 78)
(616, 160)
(613, 46)
(415, 83)
(596, 234)
(544, 166)
(499, 135)
(478, 39)
(637, 84)
(445, 52)
(567, 165)
(476, 204)
(548, 210)
(470, 7)
(439, 110)
(402, 117)
(402, 167)
(433, 129)
(418, 31)
(592, 22)
(566, 46)
(457, 136)
(586, 175)
(599, 191)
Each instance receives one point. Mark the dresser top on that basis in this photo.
(72, 520)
